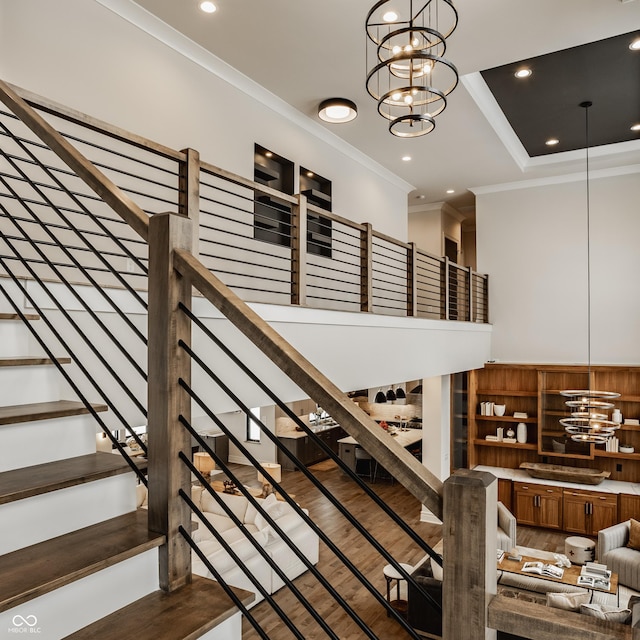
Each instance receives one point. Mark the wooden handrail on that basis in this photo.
(95, 124)
(398, 243)
(128, 210)
(426, 487)
(540, 622)
(334, 217)
(205, 167)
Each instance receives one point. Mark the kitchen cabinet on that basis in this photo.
(219, 442)
(306, 449)
(538, 505)
(587, 512)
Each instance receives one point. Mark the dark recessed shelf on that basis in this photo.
(265, 173)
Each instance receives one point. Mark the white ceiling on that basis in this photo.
(305, 51)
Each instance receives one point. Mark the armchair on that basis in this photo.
(506, 528)
(613, 551)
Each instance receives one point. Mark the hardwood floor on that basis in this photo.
(359, 551)
(355, 547)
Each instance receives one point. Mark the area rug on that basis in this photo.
(325, 465)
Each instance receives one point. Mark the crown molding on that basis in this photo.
(164, 33)
(544, 182)
(481, 94)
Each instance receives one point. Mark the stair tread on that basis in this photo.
(15, 316)
(27, 361)
(51, 476)
(33, 571)
(187, 612)
(44, 411)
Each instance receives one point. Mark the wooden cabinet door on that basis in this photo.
(525, 510)
(504, 492)
(629, 507)
(604, 512)
(549, 507)
(575, 512)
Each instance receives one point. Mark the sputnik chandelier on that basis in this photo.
(589, 422)
(409, 76)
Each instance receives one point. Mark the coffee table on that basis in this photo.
(570, 575)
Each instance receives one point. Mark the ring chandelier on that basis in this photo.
(409, 75)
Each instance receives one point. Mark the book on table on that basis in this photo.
(543, 569)
(595, 582)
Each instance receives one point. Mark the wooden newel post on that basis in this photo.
(470, 521)
(470, 315)
(412, 280)
(189, 197)
(299, 252)
(446, 288)
(167, 362)
(366, 268)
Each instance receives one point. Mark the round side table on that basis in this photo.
(391, 574)
(579, 550)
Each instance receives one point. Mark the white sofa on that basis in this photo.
(305, 539)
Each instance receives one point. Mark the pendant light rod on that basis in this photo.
(586, 105)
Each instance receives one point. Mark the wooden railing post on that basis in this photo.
(167, 362)
(412, 280)
(299, 251)
(470, 523)
(189, 196)
(470, 285)
(366, 268)
(446, 288)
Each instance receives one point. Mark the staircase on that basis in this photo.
(78, 559)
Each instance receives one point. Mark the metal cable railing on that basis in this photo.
(224, 360)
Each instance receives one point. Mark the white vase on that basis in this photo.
(521, 433)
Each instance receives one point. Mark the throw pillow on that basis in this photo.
(634, 534)
(436, 569)
(266, 504)
(605, 612)
(568, 601)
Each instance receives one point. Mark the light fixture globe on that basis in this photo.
(337, 110)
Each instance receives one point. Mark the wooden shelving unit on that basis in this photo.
(535, 389)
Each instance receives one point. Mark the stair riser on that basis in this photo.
(26, 444)
(14, 293)
(80, 603)
(15, 339)
(230, 629)
(28, 384)
(26, 522)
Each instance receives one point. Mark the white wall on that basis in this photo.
(425, 229)
(532, 243)
(81, 54)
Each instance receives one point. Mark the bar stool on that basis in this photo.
(391, 574)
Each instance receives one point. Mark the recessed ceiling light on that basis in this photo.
(552, 142)
(268, 154)
(450, 191)
(406, 158)
(309, 174)
(523, 73)
(207, 6)
(635, 127)
(390, 16)
(421, 196)
(635, 45)
(337, 110)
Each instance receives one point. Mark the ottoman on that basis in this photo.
(580, 550)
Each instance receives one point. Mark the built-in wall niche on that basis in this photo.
(318, 192)
(272, 216)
